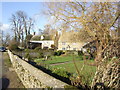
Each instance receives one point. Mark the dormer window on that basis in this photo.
(63, 43)
(63, 48)
(74, 48)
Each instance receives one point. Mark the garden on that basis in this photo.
(67, 64)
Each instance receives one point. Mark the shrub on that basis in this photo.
(51, 49)
(80, 53)
(45, 48)
(58, 53)
(71, 52)
(61, 72)
(37, 48)
(27, 55)
(67, 87)
(41, 55)
(48, 54)
(28, 37)
(53, 46)
(26, 50)
(13, 46)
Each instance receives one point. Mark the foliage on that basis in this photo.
(86, 74)
(71, 52)
(68, 87)
(37, 49)
(13, 45)
(94, 19)
(60, 71)
(28, 37)
(41, 55)
(45, 48)
(87, 79)
(27, 55)
(53, 46)
(58, 53)
(80, 53)
(7, 61)
(30, 54)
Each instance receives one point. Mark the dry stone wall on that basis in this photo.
(32, 77)
(108, 76)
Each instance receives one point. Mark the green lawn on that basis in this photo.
(71, 67)
(6, 59)
(88, 71)
(59, 59)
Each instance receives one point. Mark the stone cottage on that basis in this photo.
(72, 40)
(40, 41)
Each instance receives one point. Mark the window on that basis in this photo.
(63, 43)
(74, 48)
(74, 43)
(63, 48)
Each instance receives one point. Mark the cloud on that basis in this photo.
(5, 27)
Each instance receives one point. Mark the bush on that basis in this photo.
(48, 54)
(26, 50)
(28, 37)
(27, 55)
(80, 53)
(71, 52)
(61, 72)
(13, 46)
(41, 55)
(37, 48)
(45, 48)
(53, 47)
(67, 87)
(58, 53)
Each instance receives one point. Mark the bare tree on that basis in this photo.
(97, 19)
(21, 26)
(1, 34)
(6, 39)
(94, 18)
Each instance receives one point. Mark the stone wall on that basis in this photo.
(32, 77)
(107, 75)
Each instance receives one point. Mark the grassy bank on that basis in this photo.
(6, 59)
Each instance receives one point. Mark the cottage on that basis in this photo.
(71, 41)
(40, 41)
(42, 44)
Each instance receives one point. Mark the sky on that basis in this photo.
(32, 9)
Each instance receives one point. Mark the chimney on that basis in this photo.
(42, 37)
(34, 33)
